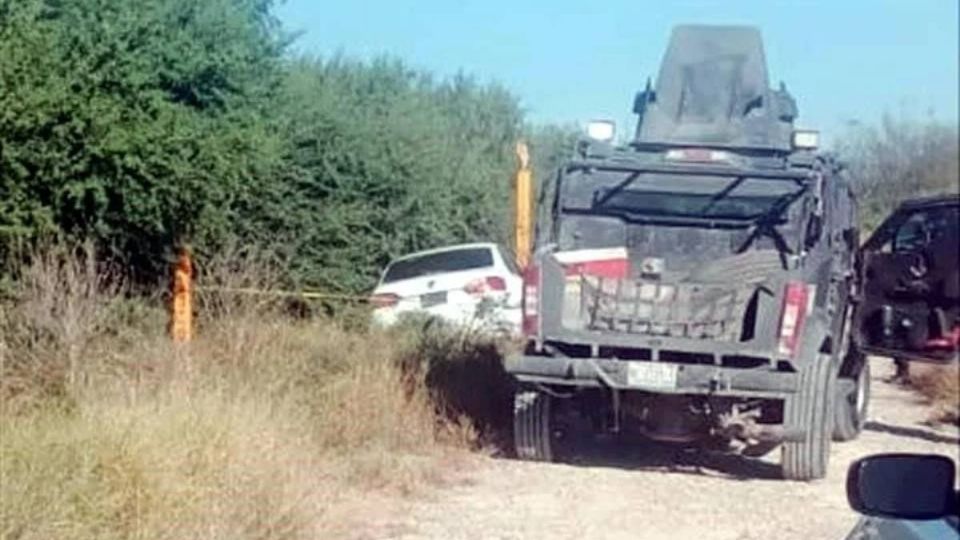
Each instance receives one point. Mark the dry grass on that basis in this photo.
(941, 386)
(263, 427)
(63, 302)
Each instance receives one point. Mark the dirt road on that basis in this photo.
(655, 492)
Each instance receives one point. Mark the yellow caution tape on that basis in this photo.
(317, 295)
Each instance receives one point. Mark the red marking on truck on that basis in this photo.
(611, 263)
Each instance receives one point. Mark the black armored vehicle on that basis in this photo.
(693, 285)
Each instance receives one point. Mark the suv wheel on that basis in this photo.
(853, 398)
(810, 410)
(532, 430)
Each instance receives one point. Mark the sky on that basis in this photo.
(573, 61)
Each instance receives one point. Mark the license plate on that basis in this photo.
(651, 375)
(433, 299)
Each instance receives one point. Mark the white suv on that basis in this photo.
(477, 285)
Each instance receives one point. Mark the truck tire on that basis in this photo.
(810, 410)
(853, 404)
(532, 430)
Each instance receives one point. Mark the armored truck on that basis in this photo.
(693, 284)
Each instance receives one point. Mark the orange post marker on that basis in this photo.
(181, 304)
(523, 206)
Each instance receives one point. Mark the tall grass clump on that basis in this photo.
(61, 303)
(940, 385)
(262, 427)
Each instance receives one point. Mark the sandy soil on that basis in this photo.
(654, 492)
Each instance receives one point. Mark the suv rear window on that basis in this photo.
(454, 260)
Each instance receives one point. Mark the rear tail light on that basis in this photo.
(481, 286)
(384, 300)
(496, 283)
(796, 304)
(531, 301)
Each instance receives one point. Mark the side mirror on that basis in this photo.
(785, 104)
(904, 486)
(642, 98)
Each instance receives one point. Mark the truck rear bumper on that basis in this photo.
(670, 378)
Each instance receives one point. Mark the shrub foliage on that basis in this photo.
(142, 125)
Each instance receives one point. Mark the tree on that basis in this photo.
(143, 123)
(898, 159)
(135, 123)
(388, 161)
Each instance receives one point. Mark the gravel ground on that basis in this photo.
(655, 492)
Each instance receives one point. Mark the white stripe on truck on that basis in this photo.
(590, 255)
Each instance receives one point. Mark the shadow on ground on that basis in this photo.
(925, 434)
(637, 453)
(465, 376)
(467, 379)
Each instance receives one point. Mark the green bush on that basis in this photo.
(143, 125)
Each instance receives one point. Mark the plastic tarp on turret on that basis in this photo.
(713, 89)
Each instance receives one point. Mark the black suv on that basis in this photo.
(910, 305)
(694, 285)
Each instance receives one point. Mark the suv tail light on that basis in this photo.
(531, 301)
(796, 304)
(384, 300)
(480, 286)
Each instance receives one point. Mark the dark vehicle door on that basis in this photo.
(909, 299)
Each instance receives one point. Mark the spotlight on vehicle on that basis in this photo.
(806, 139)
(601, 130)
